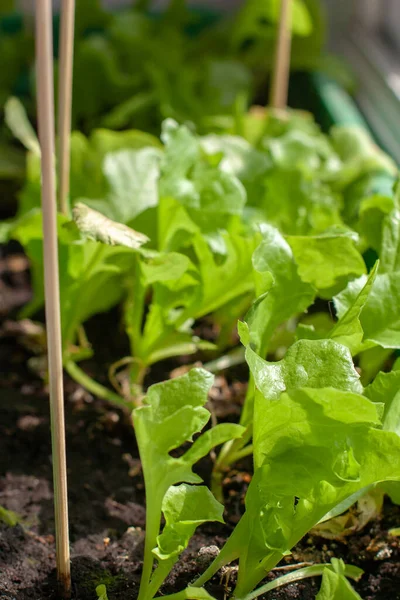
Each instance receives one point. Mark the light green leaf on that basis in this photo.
(359, 153)
(348, 330)
(17, 120)
(185, 507)
(386, 389)
(336, 587)
(277, 277)
(158, 266)
(328, 260)
(211, 196)
(88, 156)
(212, 438)
(372, 213)
(101, 592)
(195, 292)
(292, 424)
(87, 178)
(132, 176)
(317, 446)
(175, 227)
(172, 413)
(218, 192)
(395, 531)
(95, 226)
(260, 20)
(237, 157)
(106, 141)
(297, 201)
(190, 593)
(9, 517)
(380, 317)
(182, 151)
(304, 151)
(223, 281)
(390, 248)
(91, 280)
(308, 363)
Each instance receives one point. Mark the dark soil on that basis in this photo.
(106, 498)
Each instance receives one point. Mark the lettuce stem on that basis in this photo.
(158, 578)
(231, 452)
(306, 572)
(153, 518)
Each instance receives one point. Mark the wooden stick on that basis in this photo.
(45, 101)
(66, 59)
(281, 71)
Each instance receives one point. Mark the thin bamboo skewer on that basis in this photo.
(45, 100)
(281, 71)
(66, 59)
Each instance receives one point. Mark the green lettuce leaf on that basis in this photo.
(327, 261)
(390, 246)
(91, 280)
(185, 507)
(256, 20)
(307, 363)
(191, 593)
(359, 153)
(348, 329)
(16, 118)
(314, 449)
(172, 413)
(132, 177)
(385, 389)
(334, 584)
(276, 276)
(379, 318)
(211, 196)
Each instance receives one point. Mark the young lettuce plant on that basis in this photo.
(178, 298)
(318, 443)
(368, 307)
(196, 223)
(91, 280)
(190, 200)
(181, 285)
(172, 413)
(334, 585)
(368, 323)
(281, 270)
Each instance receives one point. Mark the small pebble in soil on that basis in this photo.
(28, 422)
(207, 554)
(383, 554)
